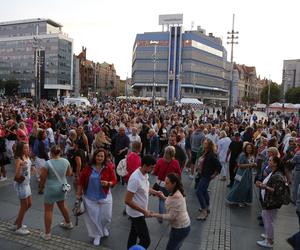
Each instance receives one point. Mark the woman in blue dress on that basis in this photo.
(53, 176)
(241, 191)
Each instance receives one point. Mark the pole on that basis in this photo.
(194, 81)
(154, 71)
(232, 41)
(269, 90)
(231, 73)
(155, 48)
(126, 93)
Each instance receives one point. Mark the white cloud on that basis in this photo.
(268, 29)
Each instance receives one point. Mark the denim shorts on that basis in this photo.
(23, 190)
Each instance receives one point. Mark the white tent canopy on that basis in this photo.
(284, 105)
(190, 101)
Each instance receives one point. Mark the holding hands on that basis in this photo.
(150, 214)
(259, 184)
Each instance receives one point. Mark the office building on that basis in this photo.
(174, 64)
(96, 79)
(290, 74)
(36, 51)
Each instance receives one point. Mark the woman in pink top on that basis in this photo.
(29, 124)
(133, 159)
(176, 212)
(164, 166)
(22, 133)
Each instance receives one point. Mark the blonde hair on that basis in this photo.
(73, 134)
(169, 153)
(223, 134)
(274, 151)
(101, 138)
(35, 129)
(294, 134)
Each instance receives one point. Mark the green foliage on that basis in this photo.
(293, 95)
(275, 93)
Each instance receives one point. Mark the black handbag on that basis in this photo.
(155, 187)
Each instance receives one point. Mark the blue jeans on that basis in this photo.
(202, 193)
(177, 236)
(161, 205)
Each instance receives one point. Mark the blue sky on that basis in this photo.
(269, 30)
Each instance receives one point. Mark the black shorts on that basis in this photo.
(194, 157)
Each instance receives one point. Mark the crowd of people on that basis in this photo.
(89, 144)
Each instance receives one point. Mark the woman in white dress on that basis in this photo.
(22, 185)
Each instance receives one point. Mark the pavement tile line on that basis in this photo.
(34, 241)
(216, 232)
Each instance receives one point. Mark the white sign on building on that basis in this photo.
(171, 19)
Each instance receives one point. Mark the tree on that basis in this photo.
(275, 93)
(10, 87)
(293, 95)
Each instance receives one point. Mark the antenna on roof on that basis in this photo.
(192, 25)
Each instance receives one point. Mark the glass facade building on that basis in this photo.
(18, 42)
(179, 64)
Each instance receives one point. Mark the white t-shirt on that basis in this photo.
(50, 135)
(213, 137)
(139, 185)
(263, 191)
(223, 145)
(133, 138)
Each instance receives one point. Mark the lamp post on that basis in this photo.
(155, 43)
(231, 40)
(126, 90)
(194, 83)
(268, 102)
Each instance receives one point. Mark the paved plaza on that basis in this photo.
(226, 228)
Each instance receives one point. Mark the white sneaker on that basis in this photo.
(22, 231)
(3, 178)
(264, 243)
(45, 236)
(66, 225)
(263, 236)
(97, 241)
(14, 227)
(106, 232)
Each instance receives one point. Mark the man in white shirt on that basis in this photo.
(134, 136)
(213, 136)
(50, 134)
(136, 200)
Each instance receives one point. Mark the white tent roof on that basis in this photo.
(284, 105)
(190, 101)
(276, 105)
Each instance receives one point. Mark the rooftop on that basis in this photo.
(34, 20)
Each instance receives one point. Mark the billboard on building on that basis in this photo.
(171, 19)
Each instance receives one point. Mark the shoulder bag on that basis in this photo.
(65, 187)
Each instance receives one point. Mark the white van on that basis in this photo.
(78, 101)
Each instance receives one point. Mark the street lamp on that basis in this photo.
(232, 40)
(155, 43)
(194, 83)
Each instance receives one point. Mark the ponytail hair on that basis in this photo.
(175, 179)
